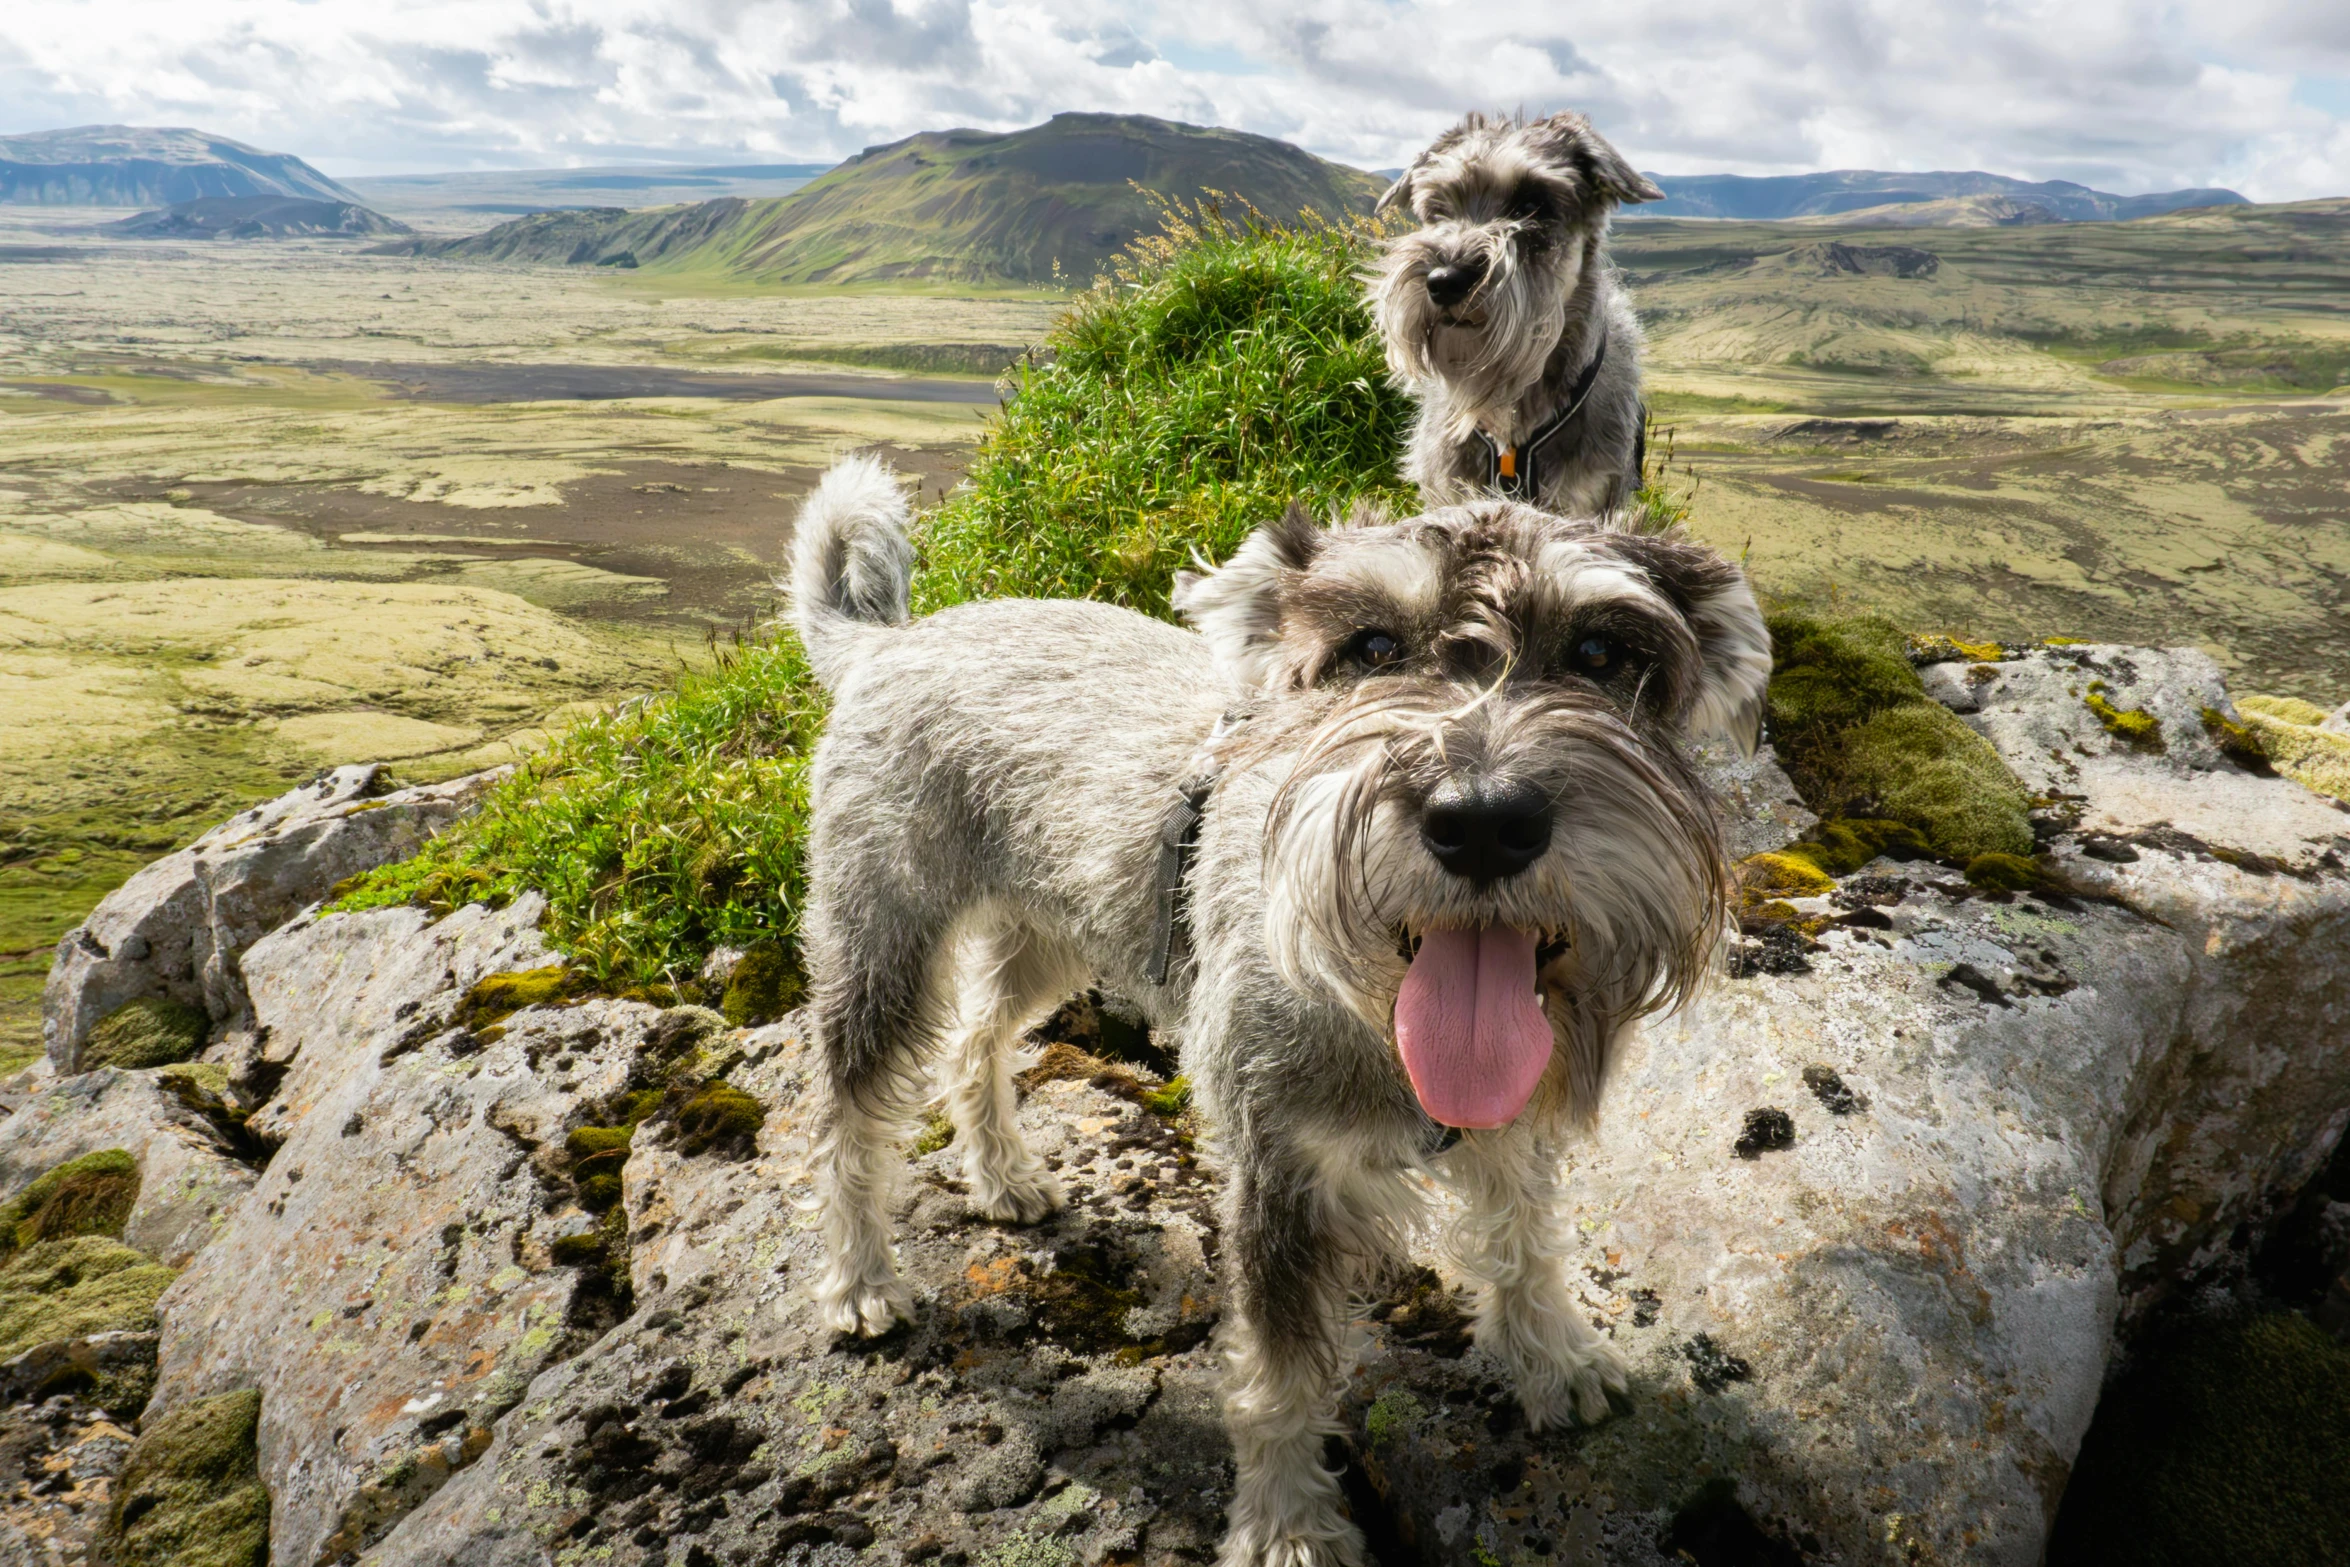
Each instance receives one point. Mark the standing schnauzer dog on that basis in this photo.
(1396, 845)
(1501, 313)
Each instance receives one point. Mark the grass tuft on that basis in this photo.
(72, 1288)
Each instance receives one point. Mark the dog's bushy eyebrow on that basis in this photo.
(1684, 572)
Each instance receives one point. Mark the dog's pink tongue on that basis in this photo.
(1469, 1022)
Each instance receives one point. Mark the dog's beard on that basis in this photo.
(1624, 908)
(1496, 341)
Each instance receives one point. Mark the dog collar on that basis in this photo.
(1515, 470)
(1178, 838)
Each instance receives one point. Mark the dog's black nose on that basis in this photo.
(1486, 831)
(1455, 280)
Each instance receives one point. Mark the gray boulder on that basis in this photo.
(390, 1285)
(173, 1122)
(180, 927)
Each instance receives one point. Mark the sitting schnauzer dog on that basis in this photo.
(1502, 315)
(1396, 846)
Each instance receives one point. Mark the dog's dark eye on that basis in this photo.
(1529, 206)
(1598, 656)
(1372, 649)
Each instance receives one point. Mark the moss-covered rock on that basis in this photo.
(2003, 872)
(2290, 740)
(1861, 739)
(497, 997)
(65, 1289)
(92, 1195)
(765, 984)
(2228, 1442)
(2134, 726)
(151, 1031)
(719, 1117)
(191, 1492)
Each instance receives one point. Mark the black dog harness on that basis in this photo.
(1178, 839)
(1516, 471)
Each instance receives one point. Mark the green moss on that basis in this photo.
(496, 997)
(92, 1195)
(2132, 725)
(191, 1493)
(1784, 874)
(1171, 1101)
(1861, 740)
(765, 985)
(2003, 872)
(1934, 648)
(61, 1289)
(936, 1133)
(719, 1116)
(2228, 1442)
(2235, 740)
(151, 1031)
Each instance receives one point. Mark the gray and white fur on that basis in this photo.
(1493, 307)
(987, 805)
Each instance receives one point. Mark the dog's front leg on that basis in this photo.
(1290, 1270)
(1510, 1238)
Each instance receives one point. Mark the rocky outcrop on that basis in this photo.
(179, 928)
(530, 1282)
(192, 1164)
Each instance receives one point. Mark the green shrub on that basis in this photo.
(191, 1493)
(151, 1031)
(1861, 739)
(1224, 370)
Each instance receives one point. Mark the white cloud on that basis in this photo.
(2127, 96)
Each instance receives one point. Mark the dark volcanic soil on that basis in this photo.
(502, 383)
(716, 533)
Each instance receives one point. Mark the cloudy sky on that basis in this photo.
(2127, 95)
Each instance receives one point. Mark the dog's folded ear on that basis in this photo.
(1399, 194)
(1237, 606)
(1570, 139)
(1736, 648)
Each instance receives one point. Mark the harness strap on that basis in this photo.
(1516, 470)
(1178, 839)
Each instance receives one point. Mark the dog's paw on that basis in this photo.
(1016, 1196)
(1573, 1387)
(862, 1308)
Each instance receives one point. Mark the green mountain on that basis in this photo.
(143, 166)
(1055, 201)
(259, 217)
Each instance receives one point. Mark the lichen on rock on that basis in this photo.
(147, 1031)
(191, 1493)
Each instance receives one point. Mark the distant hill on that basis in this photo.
(259, 217)
(136, 166)
(1963, 200)
(966, 207)
(468, 201)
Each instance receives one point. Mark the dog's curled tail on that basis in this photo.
(851, 562)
